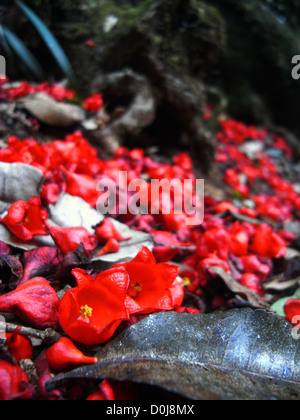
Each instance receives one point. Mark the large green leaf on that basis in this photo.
(51, 42)
(23, 53)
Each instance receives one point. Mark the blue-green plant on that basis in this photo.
(13, 42)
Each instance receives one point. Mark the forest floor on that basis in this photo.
(80, 289)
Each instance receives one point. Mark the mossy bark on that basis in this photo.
(172, 43)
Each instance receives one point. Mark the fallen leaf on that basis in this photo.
(280, 284)
(10, 239)
(41, 262)
(48, 111)
(235, 287)
(236, 355)
(11, 270)
(18, 182)
(72, 211)
(278, 307)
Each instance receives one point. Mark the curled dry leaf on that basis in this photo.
(70, 211)
(235, 287)
(18, 182)
(236, 355)
(50, 112)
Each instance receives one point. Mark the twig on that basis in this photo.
(49, 336)
(243, 218)
(191, 248)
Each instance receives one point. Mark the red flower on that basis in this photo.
(184, 310)
(152, 286)
(212, 261)
(107, 230)
(105, 392)
(35, 302)
(111, 247)
(232, 178)
(60, 93)
(251, 264)
(251, 281)
(50, 193)
(64, 355)
(163, 253)
(22, 90)
(226, 206)
(246, 211)
(40, 262)
(4, 249)
(45, 375)
(93, 103)
(69, 239)
(267, 243)
(19, 347)
(239, 240)
(14, 383)
(174, 222)
(91, 312)
(292, 310)
(26, 220)
(112, 390)
(90, 43)
(191, 280)
(82, 186)
(184, 161)
(216, 241)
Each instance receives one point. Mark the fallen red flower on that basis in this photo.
(163, 253)
(65, 355)
(105, 392)
(184, 310)
(14, 383)
(267, 243)
(91, 312)
(111, 247)
(152, 286)
(19, 347)
(4, 249)
(45, 375)
(94, 103)
(212, 261)
(107, 230)
(225, 206)
(217, 241)
(251, 281)
(252, 264)
(82, 186)
(115, 391)
(40, 262)
(35, 302)
(69, 239)
(292, 310)
(26, 219)
(239, 240)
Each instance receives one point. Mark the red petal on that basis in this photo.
(69, 239)
(292, 310)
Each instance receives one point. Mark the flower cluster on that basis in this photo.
(91, 312)
(61, 289)
(244, 171)
(57, 92)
